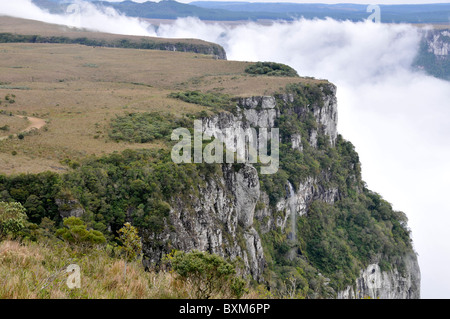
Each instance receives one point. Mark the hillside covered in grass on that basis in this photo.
(38, 270)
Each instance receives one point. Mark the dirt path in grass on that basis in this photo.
(35, 123)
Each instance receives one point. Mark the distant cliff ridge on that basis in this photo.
(434, 53)
(13, 30)
(145, 44)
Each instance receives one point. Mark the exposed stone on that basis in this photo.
(69, 207)
(296, 140)
(215, 219)
(439, 43)
(376, 284)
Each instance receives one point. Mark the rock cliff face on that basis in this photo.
(392, 284)
(69, 207)
(218, 220)
(433, 55)
(231, 211)
(438, 42)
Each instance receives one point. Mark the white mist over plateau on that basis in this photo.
(79, 15)
(397, 118)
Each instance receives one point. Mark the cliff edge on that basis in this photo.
(313, 226)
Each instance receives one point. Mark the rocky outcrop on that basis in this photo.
(229, 213)
(263, 111)
(299, 200)
(69, 207)
(63, 34)
(213, 49)
(219, 220)
(438, 42)
(433, 55)
(326, 115)
(391, 284)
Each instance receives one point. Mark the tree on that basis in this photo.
(271, 69)
(131, 247)
(12, 218)
(208, 274)
(75, 232)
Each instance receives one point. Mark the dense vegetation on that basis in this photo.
(136, 184)
(76, 232)
(271, 69)
(43, 253)
(144, 127)
(12, 218)
(216, 101)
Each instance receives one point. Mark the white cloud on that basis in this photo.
(396, 118)
(82, 15)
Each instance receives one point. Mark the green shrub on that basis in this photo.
(208, 274)
(143, 127)
(12, 218)
(131, 242)
(217, 101)
(75, 232)
(271, 69)
(131, 247)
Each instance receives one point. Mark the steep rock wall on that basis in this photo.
(218, 220)
(231, 212)
(391, 284)
(433, 56)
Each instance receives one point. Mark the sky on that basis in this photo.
(396, 118)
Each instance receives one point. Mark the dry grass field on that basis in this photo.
(78, 89)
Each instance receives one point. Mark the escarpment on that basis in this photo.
(39, 32)
(433, 55)
(313, 224)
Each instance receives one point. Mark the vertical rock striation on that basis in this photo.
(389, 284)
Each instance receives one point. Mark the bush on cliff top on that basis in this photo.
(271, 69)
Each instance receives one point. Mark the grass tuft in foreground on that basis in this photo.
(37, 270)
